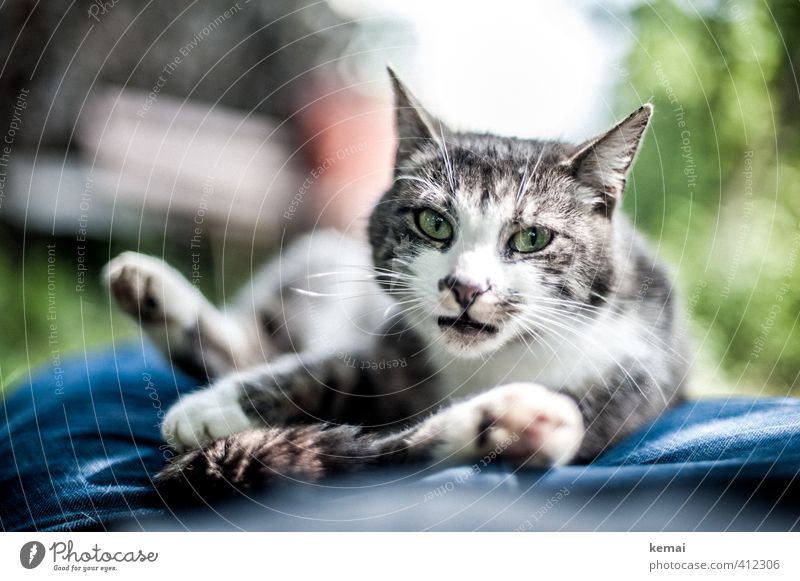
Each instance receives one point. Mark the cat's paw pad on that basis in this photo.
(203, 416)
(522, 423)
(531, 426)
(146, 288)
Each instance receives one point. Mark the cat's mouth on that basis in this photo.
(466, 325)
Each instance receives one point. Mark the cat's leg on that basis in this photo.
(522, 423)
(291, 389)
(629, 398)
(178, 318)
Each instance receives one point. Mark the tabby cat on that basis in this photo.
(504, 305)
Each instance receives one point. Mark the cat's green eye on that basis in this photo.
(530, 239)
(433, 224)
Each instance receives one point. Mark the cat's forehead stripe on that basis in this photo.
(519, 180)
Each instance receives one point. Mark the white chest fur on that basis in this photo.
(572, 361)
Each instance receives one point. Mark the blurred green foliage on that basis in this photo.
(43, 317)
(716, 185)
(49, 311)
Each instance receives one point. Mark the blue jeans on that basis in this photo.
(80, 443)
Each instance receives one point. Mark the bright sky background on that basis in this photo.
(540, 68)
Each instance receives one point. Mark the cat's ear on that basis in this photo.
(603, 163)
(416, 129)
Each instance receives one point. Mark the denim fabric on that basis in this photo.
(79, 443)
(736, 432)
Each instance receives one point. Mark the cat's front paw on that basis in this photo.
(148, 289)
(204, 416)
(523, 423)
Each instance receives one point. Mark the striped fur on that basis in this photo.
(265, 457)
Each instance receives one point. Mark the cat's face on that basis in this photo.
(484, 239)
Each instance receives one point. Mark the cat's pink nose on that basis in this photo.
(465, 292)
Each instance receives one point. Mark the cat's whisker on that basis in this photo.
(315, 294)
(519, 335)
(646, 334)
(545, 321)
(389, 271)
(526, 178)
(377, 290)
(427, 183)
(402, 317)
(405, 302)
(446, 157)
(531, 331)
(538, 161)
(332, 273)
(523, 182)
(423, 319)
(346, 295)
(401, 261)
(366, 277)
(373, 282)
(533, 299)
(399, 318)
(573, 344)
